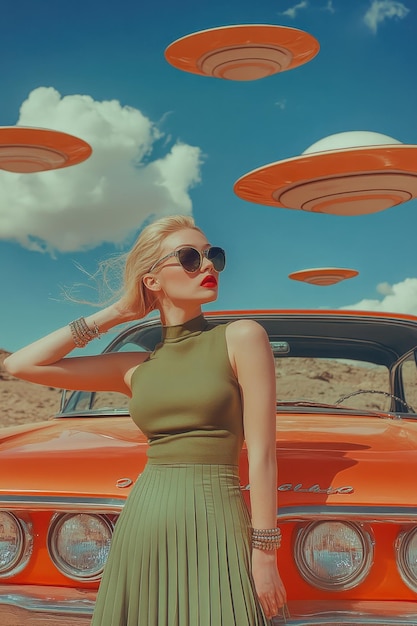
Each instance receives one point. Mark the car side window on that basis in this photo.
(409, 378)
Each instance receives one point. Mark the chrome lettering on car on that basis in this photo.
(122, 483)
(299, 488)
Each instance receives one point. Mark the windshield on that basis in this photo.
(341, 366)
(316, 380)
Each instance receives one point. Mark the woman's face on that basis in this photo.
(178, 285)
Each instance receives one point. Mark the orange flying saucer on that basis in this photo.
(349, 180)
(242, 52)
(28, 150)
(323, 276)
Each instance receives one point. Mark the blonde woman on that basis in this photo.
(185, 551)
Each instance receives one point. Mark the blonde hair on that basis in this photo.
(144, 253)
(130, 268)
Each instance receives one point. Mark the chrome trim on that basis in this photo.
(105, 412)
(401, 545)
(334, 619)
(52, 603)
(69, 504)
(299, 488)
(395, 375)
(46, 600)
(122, 483)
(73, 504)
(26, 547)
(353, 612)
(387, 514)
(65, 568)
(348, 582)
(353, 618)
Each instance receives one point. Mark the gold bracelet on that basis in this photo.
(266, 538)
(266, 545)
(82, 334)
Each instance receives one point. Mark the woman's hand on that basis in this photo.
(125, 311)
(252, 360)
(45, 361)
(268, 583)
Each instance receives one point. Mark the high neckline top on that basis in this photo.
(186, 397)
(179, 332)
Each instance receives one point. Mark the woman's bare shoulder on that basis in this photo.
(245, 329)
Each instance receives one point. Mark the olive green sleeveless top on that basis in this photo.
(186, 398)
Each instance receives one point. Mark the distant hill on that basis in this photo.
(22, 402)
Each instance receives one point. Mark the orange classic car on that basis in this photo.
(347, 488)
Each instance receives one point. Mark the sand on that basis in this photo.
(22, 402)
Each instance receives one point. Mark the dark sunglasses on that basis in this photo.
(191, 259)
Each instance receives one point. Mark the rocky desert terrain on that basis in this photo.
(22, 402)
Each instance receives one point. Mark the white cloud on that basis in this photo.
(398, 298)
(281, 104)
(385, 289)
(384, 9)
(107, 197)
(292, 11)
(329, 7)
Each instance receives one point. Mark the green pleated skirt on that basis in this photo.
(180, 553)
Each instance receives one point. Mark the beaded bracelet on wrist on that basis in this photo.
(266, 538)
(82, 334)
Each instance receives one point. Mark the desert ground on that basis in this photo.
(22, 402)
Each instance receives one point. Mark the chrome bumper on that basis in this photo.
(351, 613)
(33, 605)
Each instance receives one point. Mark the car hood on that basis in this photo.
(347, 460)
(71, 456)
(322, 458)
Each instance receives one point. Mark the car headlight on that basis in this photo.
(407, 557)
(15, 544)
(79, 544)
(333, 555)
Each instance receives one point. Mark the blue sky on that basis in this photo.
(167, 141)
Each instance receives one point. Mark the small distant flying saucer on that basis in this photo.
(323, 276)
(242, 52)
(27, 150)
(368, 172)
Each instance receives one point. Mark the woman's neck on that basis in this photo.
(178, 315)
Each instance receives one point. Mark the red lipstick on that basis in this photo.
(209, 281)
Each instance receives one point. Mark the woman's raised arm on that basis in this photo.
(44, 362)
